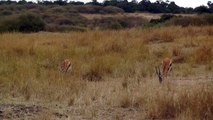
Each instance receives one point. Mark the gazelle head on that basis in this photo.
(166, 67)
(66, 66)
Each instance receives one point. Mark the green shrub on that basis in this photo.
(6, 12)
(30, 23)
(163, 18)
(8, 24)
(111, 9)
(63, 21)
(55, 10)
(115, 25)
(22, 23)
(118, 22)
(64, 28)
(186, 21)
(88, 9)
(208, 18)
(204, 19)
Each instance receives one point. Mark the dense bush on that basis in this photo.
(23, 23)
(167, 19)
(64, 28)
(5, 12)
(98, 9)
(55, 10)
(111, 9)
(163, 18)
(208, 18)
(8, 24)
(30, 23)
(158, 6)
(88, 9)
(200, 20)
(68, 16)
(118, 22)
(186, 21)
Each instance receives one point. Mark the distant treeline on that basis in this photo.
(159, 6)
(62, 16)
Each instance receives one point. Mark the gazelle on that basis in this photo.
(66, 66)
(166, 67)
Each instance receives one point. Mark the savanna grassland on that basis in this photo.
(113, 74)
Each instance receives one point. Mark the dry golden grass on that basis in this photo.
(148, 16)
(122, 64)
(204, 54)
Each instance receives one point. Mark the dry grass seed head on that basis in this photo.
(203, 55)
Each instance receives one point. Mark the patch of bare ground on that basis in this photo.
(24, 111)
(115, 99)
(102, 112)
(63, 112)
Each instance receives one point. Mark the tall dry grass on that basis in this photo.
(122, 61)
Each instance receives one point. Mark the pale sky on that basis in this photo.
(189, 3)
(182, 3)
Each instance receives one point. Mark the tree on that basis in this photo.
(210, 5)
(22, 23)
(94, 2)
(128, 6)
(30, 23)
(144, 5)
(134, 1)
(22, 2)
(76, 3)
(110, 3)
(202, 9)
(60, 2)
(173, 8)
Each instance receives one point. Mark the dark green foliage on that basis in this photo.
(62, 16)
(60, 2)
(88, 9)
(23, 23)
(210, 5)
(186, 21)
(30, 23)
(22, 2)
(111, 9)
(5, 12)
(7, 24)
(64, 28)
(97, 9)
(163, 18)
(145, 5)
(205, 19)
(76, 3)
(200, 20)
(202, 9)
(208, 18)
(118, 22)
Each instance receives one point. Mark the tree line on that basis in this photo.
(159, 6)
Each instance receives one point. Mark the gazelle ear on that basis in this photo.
(170, 67)
(158, 72)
